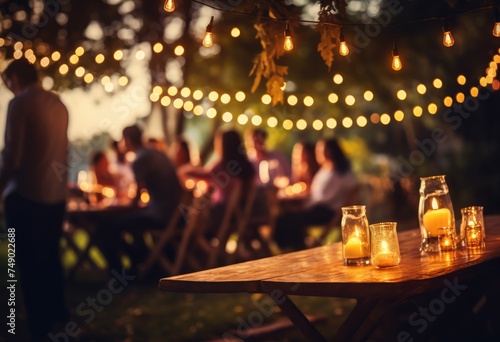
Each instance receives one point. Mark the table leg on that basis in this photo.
(289, 308)
(82, 257)
(352, 325)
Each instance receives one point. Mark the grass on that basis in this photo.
(141, 312)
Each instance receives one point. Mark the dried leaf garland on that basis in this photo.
(327, 43)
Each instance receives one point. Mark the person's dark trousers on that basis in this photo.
(38, 230)
(291, 227)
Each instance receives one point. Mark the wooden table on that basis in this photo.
(80, 215)
(320, 272)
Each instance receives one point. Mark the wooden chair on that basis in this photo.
(167, 237)
(196, 250)
(190, 242)
(217, 249)
(248, 219)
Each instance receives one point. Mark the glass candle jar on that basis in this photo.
(435, 211)
(355, 236)
(472, 232)
(447, 239)
(384, 245)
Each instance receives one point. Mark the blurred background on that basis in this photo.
(120, 62)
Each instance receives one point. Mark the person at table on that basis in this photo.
(158, 144)
(331, 185)
(304, 163)
(181, 155)
(100, 166)
(33, 181)
(155, 173)
(180, 152)
(269, 165)
(230, 169)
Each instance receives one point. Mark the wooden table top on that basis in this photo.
(321, 272)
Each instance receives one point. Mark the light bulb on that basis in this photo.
(396, 61)
(169, 6)
(208, 38)
(448, 40)
(343, 48)
(496, 29)
(288, 43)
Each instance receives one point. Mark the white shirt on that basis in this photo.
(34, 158)
(329, 188)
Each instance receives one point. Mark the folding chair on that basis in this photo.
(198, 251)
(217, 249)
(191, 241)
(160, 239)
(247, 219)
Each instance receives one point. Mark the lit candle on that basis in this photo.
(354, 248)
(385, 258)
(473, 235)
(436, 218)
(264, 172)
(446, 242)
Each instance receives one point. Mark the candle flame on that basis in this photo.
(434, 204)
(264, 171)
(384, 246)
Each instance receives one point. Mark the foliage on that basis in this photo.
(270, 34)
(329, 30)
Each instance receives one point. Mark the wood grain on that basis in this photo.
(320, 271)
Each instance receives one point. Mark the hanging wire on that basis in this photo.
(407, 22)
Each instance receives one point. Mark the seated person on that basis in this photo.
(100, 166)
(304, 163)
(180, 154)
(272, 170)
(268, 165)
(122, 170)
(158, 144)
(154, 173)
(330, 186)
(230, 169)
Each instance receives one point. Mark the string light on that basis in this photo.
(396, 61)
(448, 40)
(169, 6)
(288, 43)
(496, 26)
(343, 48)
(208, 39)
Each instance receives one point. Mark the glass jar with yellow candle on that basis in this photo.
(435, 212)
(355, 236)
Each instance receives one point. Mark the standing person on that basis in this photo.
(155, 173)
(33, 181)
(331, 185)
